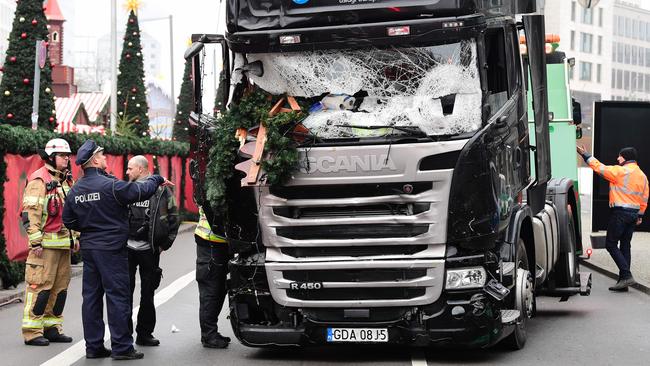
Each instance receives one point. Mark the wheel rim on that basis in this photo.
(525, 295)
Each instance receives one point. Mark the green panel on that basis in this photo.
(563, 150)
(559, 102)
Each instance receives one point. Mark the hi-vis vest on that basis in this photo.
(52, 233)
(628, 186)
(204, 231)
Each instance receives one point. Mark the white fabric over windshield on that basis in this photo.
(435, 88)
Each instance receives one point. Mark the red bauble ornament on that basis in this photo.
(51, 119)
(133, 90)
(128, 55)
(137, 120)
(45, 8)
(10, 116)
(131, 20)
(2, 69)
(34, 22)
(25, 81)
(12, 59)
(23, 35)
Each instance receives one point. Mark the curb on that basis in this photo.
(11, 296)
(638, 286)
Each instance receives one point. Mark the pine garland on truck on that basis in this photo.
(280, 151)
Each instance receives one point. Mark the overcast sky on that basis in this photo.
(91, 18)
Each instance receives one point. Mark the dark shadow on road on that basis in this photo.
(561, 313)
(337, 354)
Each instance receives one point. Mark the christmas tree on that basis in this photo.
(184, 106)
(131, 97)
(219, 106)
(17, 87)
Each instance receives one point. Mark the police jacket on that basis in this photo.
(155, 220)
(97, 206)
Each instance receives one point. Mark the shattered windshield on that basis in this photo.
(434, 89)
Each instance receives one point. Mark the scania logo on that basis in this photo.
(354, 163)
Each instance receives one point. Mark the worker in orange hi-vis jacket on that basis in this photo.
(628, 200)
(47, 271)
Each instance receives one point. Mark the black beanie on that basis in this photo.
(628, 153)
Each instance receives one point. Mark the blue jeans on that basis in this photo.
(621, 228)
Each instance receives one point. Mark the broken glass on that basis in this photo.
(435, 88)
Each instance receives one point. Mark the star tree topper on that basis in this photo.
(132, 6)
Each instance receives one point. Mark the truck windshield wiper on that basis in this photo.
(412, 131)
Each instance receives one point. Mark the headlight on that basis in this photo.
(462, 278)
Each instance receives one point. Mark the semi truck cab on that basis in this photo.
(419, 213)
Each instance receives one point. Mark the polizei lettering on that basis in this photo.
(144, 204)
(89, 197)
(354, 163)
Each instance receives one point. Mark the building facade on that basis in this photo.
(611, 47)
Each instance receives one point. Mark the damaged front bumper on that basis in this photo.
(467, 318)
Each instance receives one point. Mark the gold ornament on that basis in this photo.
(132, 6)
(7, 93)
(22, 19)
(48, 90)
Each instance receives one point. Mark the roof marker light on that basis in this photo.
(292, 39)
(399, 31)
(453, 24)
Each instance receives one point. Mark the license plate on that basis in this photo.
(357, 334)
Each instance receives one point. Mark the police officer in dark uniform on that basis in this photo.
(97, 206)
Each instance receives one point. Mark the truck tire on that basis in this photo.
(567, 264)
(524, 299)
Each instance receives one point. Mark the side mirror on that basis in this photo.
(577, 112)
(193, 50)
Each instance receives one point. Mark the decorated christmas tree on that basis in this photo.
(17, 87)
(219, 106)
(184, 106)
(131, 98)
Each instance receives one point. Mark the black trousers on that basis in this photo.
(620, 228)
(211, 270)
(150, 274)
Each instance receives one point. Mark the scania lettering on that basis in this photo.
(424, 210)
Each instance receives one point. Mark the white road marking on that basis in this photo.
(418, 359)
(75, 352)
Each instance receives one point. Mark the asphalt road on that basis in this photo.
(602, 329)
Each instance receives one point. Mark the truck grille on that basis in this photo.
(356, 275)
(361, 251)
(352, 294)
(351, 231)
(371, 237)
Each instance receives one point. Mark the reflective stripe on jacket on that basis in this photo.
(628, 185)
(204, 230)
(44, 208)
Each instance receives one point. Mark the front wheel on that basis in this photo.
(567, 268)
(524, 299)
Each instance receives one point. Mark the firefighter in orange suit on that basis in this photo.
(47, 271)
(628, 200)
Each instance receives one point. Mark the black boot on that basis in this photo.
(103, 353)
(133, 355)
(38, 341)
(149, 341)
(218, 342)
(53, 335)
